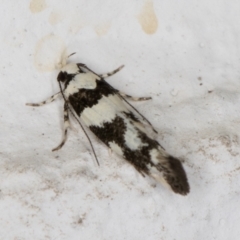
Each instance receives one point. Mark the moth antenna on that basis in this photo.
(79, 123)
(71, 55)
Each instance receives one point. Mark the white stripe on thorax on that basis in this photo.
(70, 68)
(81, 80)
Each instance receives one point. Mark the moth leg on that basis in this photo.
(51, 99)
(111, 73)
(134, 98)
(66, 126)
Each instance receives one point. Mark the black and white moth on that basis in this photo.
(105, 111)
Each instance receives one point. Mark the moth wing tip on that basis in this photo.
(177, 178)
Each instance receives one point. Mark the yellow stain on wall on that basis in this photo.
(102, 29)
(49, 53)
(147, 18)
(55, 17)
(37, 6)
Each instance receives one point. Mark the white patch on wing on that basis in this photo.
(81, 80)
(154, 154)
(131, 136)
(158, 156)
(116, 148)
(105, 110)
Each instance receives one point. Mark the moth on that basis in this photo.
(107, 113)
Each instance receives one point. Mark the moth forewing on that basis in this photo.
(107, 113)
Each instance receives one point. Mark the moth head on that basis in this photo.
(62, 77)
(66, 68)
(68, 72)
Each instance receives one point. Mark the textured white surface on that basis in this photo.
(185, 54)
